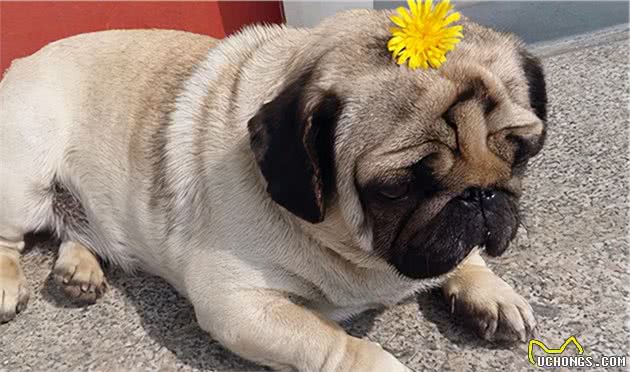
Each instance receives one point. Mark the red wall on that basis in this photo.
(25, 27)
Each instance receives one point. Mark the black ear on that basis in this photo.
(292, 138)
(536, 80)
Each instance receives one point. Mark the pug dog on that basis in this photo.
(282, 179)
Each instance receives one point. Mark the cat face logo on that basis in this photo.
(544, 348)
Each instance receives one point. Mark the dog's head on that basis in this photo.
(421, 165)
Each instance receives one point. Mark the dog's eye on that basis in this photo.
(394, 191)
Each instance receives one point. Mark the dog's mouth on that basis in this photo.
(500, 221)
(452, 235)
(499, 213)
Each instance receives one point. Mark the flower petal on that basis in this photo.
(428, 5)
(405, 15)
(398, 21)
(413, 7)
(401, 47)
(395, 40)
(424, 34)
(440, 10)
(397, 31)
(404, 56)
(414, 62)
(453, 17)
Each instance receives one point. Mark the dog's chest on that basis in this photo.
(339, 295)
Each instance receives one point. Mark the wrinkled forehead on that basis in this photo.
(379, 107)
(389, 107)
(458, 109)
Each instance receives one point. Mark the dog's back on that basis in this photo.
(59, 104)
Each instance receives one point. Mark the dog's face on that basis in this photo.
(422, 165)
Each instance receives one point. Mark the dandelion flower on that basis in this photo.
(423, 36)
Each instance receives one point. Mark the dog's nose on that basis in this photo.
(477, 194)
(487, 194)
(470, 194)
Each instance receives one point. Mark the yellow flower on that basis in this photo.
(423, 37)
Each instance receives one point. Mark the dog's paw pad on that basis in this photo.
(79, 274)
(492, 308)
(14, 291)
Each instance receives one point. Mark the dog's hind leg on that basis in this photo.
(16, 218)
(14, 291)
(19, 214)
(79, 273)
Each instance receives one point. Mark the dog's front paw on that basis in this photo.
(490, 305)
(79, 273)
(14, 291)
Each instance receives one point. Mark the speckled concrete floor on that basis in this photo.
(570, 261)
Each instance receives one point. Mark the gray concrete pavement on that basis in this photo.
(570, 260)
